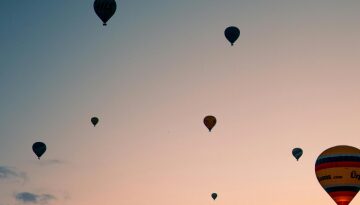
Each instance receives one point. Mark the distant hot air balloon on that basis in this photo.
(209, 122)
(94, 120)
(297, 153)
(214, 195)
(105, 9)
(338, 172)
(39, 149)
(232, 33)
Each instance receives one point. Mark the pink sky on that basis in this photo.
(291, 80)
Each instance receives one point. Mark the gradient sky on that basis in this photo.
(291, 80)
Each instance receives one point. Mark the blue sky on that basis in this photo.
(151, 76)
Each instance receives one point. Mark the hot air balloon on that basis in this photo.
(214, 195)
(39, 149)
(297, 153)
(104, 9)
(94, 120)
(338, 172)
(209, 122)
(232, 33)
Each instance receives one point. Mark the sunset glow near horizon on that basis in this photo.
(151, 76)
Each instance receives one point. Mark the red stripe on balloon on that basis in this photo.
(343, 193)
(336, 164)
(342, 197)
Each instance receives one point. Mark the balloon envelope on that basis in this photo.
(232, 33)
(94, 120)
(338, 172)
(39, 149)
(209, 122)
(105, 9)
(214, 195)
(297, 153)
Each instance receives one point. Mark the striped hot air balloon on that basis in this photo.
(338, 172)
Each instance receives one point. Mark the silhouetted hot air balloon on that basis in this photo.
(94, 120)
(214, 195)
(297, 153)
(39, 149)
(338, 172)
(104, 9)
(232, 33)
(209, 122)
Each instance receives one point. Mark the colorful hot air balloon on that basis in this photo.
(39, 149)
(94, 120)
(105, 9)
(209, 122)
(232, 33)
(214, 195)
(338, 172)
(297, 153)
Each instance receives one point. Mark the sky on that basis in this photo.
(151, 76)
